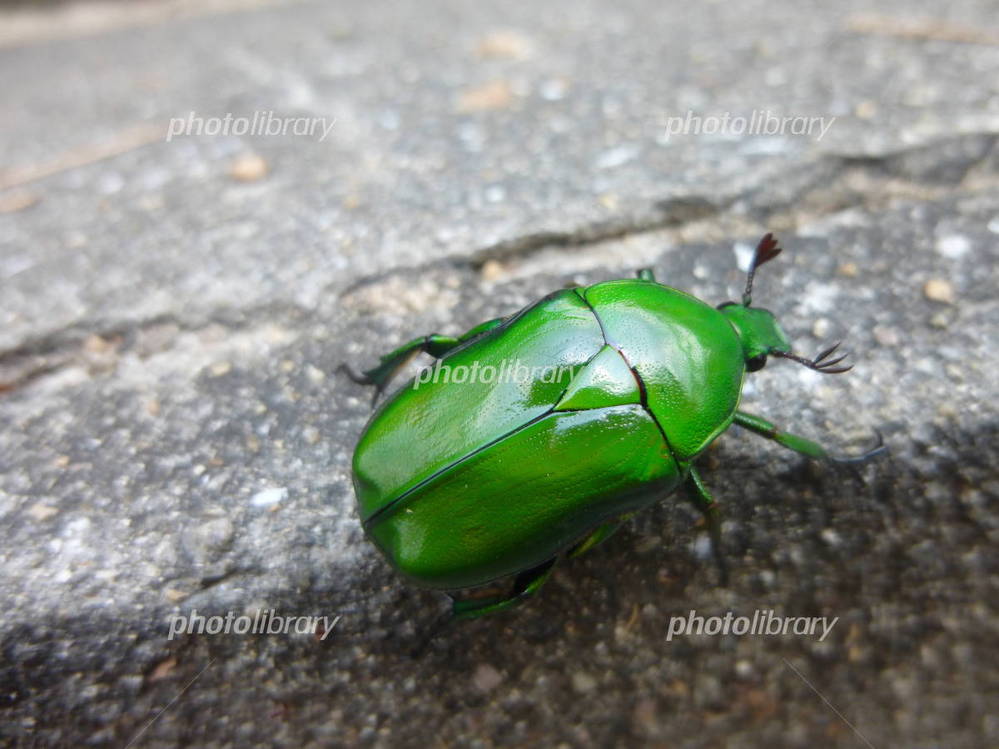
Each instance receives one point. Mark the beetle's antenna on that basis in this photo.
(767, 249)
(821, 363)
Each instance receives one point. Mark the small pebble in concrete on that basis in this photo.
(488, 97)
(582, 682)
(486, 678)
(41, 511)
(508, 45)
(492, 270)
(248, 168)
(939, 290)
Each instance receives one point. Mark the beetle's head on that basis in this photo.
(760, 333)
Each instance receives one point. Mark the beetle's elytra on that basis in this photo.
(463, 483)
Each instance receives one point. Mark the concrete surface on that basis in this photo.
(174, 437)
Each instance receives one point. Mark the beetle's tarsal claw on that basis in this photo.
(821, 363)
(360, 379)
(827, 352)
(371, 377)
(830, 368)
(879, 448)
(378, 377)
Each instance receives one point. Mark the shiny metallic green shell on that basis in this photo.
(463, 483)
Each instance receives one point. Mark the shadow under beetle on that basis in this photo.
(460, 484)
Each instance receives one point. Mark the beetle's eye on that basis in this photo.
(756, 363)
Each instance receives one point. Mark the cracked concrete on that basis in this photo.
(176, 440)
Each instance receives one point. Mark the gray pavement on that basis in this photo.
(172, 312)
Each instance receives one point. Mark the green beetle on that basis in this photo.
(597, 403)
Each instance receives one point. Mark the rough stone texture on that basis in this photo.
(175, 438)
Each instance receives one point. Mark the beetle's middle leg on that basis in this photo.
(526, 585)
(801, 445)
(702, 499)
(391, 363)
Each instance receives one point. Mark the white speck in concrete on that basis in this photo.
(953, 246)
(819, 297)
(269, 497)
(553, 89)
(831, 537)
(765, 146)
(617, 156)
(743, 255)
(702, 547)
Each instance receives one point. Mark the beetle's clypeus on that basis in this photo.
(463, 483)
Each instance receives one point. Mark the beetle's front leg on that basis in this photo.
(799, 444)
(704, 502)
(526, 585)
(391, 363)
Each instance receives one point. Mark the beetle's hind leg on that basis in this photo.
(392, 363)
(761, 426)
(527, 584)
(599, 534)
(702, 499)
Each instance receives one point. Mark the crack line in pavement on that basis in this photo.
(945, 161)
(168, 705)
(919, 164)
(821, 697)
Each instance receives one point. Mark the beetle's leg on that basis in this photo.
(526, 585)
(799, 444)
(481, 328)
(433, 344)
(646, 274)
(599, 534)
(392, 362)
(704, 502)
